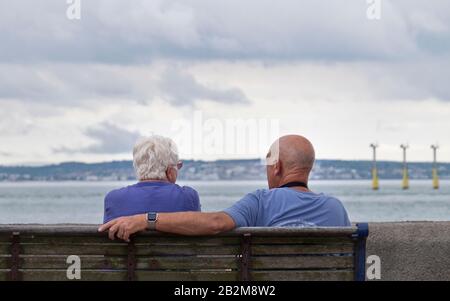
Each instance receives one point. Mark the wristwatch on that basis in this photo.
(152, 217)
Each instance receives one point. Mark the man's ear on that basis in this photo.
(277, 168)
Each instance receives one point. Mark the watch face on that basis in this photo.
(151, 216)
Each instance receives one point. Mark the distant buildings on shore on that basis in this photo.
(217, 170)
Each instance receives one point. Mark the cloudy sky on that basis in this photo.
(85, 90)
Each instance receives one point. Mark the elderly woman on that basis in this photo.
(156, 163)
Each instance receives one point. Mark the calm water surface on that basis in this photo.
(82, 202)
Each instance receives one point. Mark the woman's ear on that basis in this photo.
(171, 174)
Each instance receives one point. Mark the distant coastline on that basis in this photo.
(193, 170)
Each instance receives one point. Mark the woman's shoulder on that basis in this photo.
(189, 190)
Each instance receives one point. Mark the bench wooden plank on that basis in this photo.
(184, 263)
(301, 240)
(122, 249)
(337, 275)
(4, 238)
(5, 262)
(203, 240)
(61, 275)
(4, 274)
(5, 248)
(187, 263)
(151, 250)
(59, 262)
(301, 262)
(56, 249)
(301, 249)
(120, 263)
(90, 275)
(187, 276)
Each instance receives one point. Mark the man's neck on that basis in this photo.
(292, 179)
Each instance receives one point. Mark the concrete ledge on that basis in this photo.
(411, 250)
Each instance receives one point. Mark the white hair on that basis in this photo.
(152, 156)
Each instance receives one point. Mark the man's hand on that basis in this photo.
(123, 227)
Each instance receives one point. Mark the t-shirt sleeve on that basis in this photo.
(245, 212)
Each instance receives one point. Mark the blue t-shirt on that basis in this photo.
(286, 207)
(150, 197)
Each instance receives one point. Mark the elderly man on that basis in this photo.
(156, 163)
(287, 202)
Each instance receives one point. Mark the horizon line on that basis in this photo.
(207, 161)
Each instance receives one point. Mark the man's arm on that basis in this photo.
(185, 223)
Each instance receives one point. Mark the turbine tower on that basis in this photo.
(435, 171)
(405, 183)
(375, 184)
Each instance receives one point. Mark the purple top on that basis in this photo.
(146, 197)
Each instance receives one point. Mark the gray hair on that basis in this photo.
(152, 156)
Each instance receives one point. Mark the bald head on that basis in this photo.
(293, 157)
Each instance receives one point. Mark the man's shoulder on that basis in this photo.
(331, 201)
(259, 194)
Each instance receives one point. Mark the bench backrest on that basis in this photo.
(40, 252)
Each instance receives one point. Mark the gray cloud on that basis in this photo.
(181, 88)
(109, 139)
(115, 31)
(410, 80)
(70, 84)
(48, 58)
(5, 154)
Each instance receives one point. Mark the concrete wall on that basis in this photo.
(411, 250)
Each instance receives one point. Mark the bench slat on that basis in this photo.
(337, 275)
(301, 249)
(120, 263)
(183, 263)
(90, 275)
(61, 275)
(5, 262)
(301, 240)
(39, 239)
(5, 248)
(187, 276)
(121, 249)
(301, 262)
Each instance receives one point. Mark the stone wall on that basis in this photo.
(411, 250)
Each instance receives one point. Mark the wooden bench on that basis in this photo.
(40, 252)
